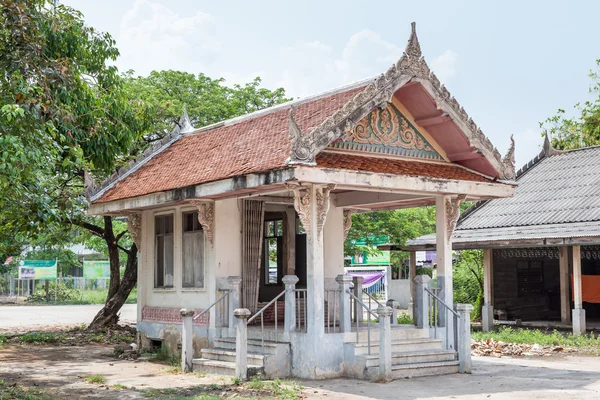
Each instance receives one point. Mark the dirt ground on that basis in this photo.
(63, 369)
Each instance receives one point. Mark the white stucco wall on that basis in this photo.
(220, 260)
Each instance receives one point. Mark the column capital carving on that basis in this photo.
(452, 214)
(134, 226)
(303, 203)
(206, 218)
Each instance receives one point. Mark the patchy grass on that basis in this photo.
(17, 392)
(588, 342)
(39, 338)
(97, 379)
(118, 386)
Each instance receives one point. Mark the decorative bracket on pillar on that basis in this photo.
(303, 204)
(134, 226)
(322, 194)
(452, 214)
(206, 217)
(348, 221)
(302, 200)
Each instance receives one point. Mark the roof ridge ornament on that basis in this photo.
(508, 162)
(413, 48)
(184, 123)
(302, 148)
(547, 148)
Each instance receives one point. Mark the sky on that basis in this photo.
(510, 64)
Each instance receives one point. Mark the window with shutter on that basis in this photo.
(163, 249)
(193, 251)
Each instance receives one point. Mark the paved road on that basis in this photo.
(19, 318)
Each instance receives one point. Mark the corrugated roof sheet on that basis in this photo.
(561, 188)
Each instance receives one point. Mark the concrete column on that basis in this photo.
(412, 272)
(487, 310)
(358, 289)
(187, 339)
(464, 338)
(578, 312)
(289, 324)
(421, 302)
(241, 343)
(444, 256)
(385, 344)
(344, 281)
(565, 300)
(235, 299)
(394, 306)
(315, 273)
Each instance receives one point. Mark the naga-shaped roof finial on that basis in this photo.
(508, 162)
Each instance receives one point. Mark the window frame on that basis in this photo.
(196, 227)
(164, 234)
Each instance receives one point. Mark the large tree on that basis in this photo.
(583, 129)
(64, 110)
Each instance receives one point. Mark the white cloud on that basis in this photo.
(444, 65)
(151, 31)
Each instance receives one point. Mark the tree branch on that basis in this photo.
(120, 235)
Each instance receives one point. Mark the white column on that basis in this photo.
(421, 316)
(290, 303)
(412, 272)
(487, 310)
(464, 338)
(358, 290)
(315, 273)
(385, 344)
(344, 281)
(565, 301)
(578, 311)
(187, 339)
(443, 255)
(241, 343)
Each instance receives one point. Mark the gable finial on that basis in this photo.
(185, 125)
(413, 48)
(508, 162)
(301, 148)
(547, 145)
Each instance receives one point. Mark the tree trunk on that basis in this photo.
(108, 315)
(113, 256)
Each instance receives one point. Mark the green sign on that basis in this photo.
(383, 258)
(38, 269)
(96, 269)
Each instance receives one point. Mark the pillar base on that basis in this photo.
(487, 317)
(578, 321)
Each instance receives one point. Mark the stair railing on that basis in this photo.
(372, 298)
(261, 312)
(300, 297)
(369, 314)
(436, 320)
(221, 299)
(331, 299)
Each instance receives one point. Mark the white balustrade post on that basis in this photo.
(241, 343)
(344, 281)
(187, 339)
(394, 305)
(235, 284)
(385, 344)
(421, 301)
(289, 324)
(358, 290)
(464, 338)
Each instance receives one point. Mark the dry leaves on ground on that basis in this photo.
(493, 348)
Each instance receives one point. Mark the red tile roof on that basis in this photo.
(396, 167)
(252, 145)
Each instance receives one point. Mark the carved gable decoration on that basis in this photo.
(387, 131)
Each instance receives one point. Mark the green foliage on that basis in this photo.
(582, 130)
(468, 279)
(543, 338)
(405, 319)
(424, 271)
(96, 379)
(39, 338)
(56, 292)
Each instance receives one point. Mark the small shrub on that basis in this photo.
(256, 384)
(405, 319)
(236, 381)
(96, 379)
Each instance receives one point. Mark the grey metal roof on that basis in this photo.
(559, 188)
(557, 201)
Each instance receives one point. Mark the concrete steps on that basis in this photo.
(424, 369)
(399, 346)
(273, 362)
(414, 357)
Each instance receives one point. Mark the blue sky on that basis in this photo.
(511, 64)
